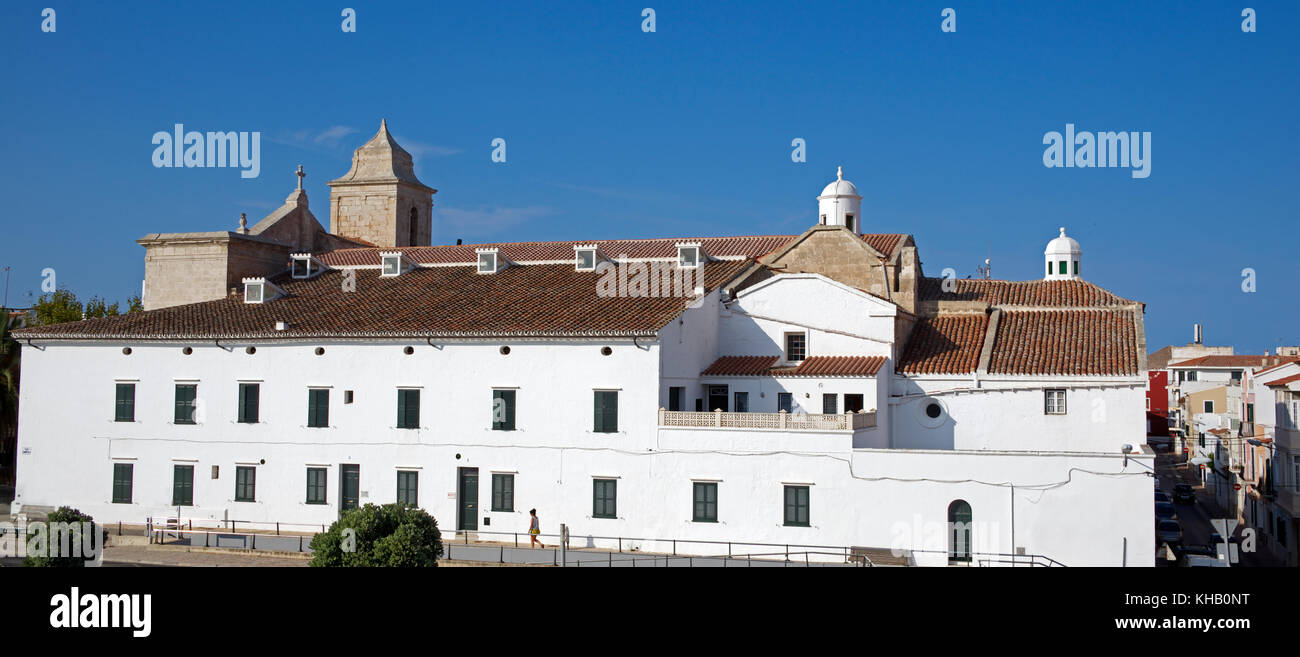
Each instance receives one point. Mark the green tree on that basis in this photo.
(98, 307)
(73, 517)
(134, 304)
(391, 535)
(58, 306)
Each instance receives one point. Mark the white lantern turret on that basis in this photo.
(1062, 256)
(840, 204)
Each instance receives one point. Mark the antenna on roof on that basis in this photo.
(986, 272)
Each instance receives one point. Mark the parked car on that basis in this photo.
(1161, 497)
(1199, 561)
(1169, 531)
(1183, 494)
(1234, 546)
(1166, 511)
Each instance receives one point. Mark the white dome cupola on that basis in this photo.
(1062, 256)
(840, 204)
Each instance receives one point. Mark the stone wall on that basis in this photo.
(380, 213)
(184, 272)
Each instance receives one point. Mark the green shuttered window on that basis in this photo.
(604, 498)
(122, 474)
(186, 396)
(316, 485)
(503, 410)
(408, 487)
(245, 483)
(408, 409)
(318, 407)
(606, 411)
(503, 492)
(705, 502)
(124, 406)
(182, 485)
(796, 506)
(249, 394)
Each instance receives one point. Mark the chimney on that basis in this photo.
(1196, 330)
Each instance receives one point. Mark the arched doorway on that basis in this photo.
(959, 532)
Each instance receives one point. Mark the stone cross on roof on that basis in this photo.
(301, 175)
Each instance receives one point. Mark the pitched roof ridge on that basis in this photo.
(581, 241)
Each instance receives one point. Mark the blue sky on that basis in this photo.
(612, 132)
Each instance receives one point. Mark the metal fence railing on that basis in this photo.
(515, 548)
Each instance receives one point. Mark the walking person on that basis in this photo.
(535, 529)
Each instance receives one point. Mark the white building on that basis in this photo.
(807, 390)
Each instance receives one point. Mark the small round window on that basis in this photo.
(931, 412)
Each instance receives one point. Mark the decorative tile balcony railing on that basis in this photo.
(773, 421)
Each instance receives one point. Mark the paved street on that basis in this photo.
(1195, 518)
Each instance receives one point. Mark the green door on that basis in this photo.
(349, 486)
(468, 497)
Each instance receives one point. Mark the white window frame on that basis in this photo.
(578, 251)
(250, 286)
(496, 261)
(385, 258)
(785, 346)
(313, 266)
(1050, 396)
(682, 249)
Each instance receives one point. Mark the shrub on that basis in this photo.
(75, 540)
(393, 535)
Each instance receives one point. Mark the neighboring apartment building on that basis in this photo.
(812, 389)
(1273, 493)
(1157, 400)
(1219, 410)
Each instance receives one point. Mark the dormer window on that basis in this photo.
(254, 291)
(305, 266)
(487, 261)
(688, 256)
(259, 290)
(392, 263)
(585, 257)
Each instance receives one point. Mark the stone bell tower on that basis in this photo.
(380, 200)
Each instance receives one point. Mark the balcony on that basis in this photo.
(773, 421)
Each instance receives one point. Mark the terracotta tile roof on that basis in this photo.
(811, 366)
(884, 242)
(1071, 293)
(1064, 342)
(839, 366)
(718, 247)
(437, 301)
(1282, 382)
(1234, 361)
(740, 366)
(947, 344)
